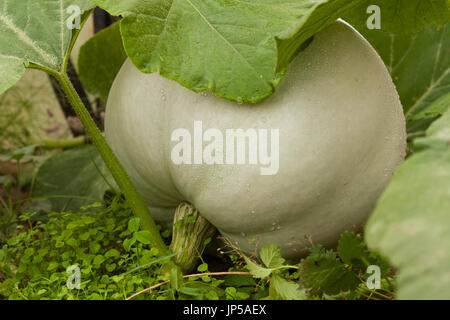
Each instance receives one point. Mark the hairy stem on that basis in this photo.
(135, 201)
(65, 104)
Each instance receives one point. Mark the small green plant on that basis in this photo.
(324, 274)
(34, 262)
(114, 258)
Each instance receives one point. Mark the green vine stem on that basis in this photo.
(132, 196)
(190, 234)
(135, 201)
(63, 143)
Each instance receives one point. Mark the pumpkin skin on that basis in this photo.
(341, 136)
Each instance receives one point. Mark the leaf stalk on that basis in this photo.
(133, 198)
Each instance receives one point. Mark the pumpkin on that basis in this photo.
(341, 135)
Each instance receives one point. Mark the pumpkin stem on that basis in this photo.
(191, 233)
(133, 198)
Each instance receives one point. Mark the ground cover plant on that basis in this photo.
(356, 206)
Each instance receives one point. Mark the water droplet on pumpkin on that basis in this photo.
(163, 95)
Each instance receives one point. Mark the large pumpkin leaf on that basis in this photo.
(238, 49)
(34, 31)
(411, 223)
(420, 68)
(404, 16)
(100, 60)
(73, 178)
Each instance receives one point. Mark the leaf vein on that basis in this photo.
(27, 40)
(224, 39)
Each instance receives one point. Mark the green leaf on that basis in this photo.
(99, 259)
(195, 292)
(127, 243)
(12, 70)
(94, 247)
(100, 60)
(319, 15)
(287, 290)
(438, 135)
(203, 267)
(256, 270)
(237, 280)
(237, 49)
(321, 271)
(34, 31)
(419, 65)
(22, 155)
(133, 224)
(403, 16)
(84, 236)
(176, 278)
(73, 178)
(73, 243)
(144, 237)
(110, 267)
(353, 252)
(435, 109)
(41, 291)
(271, 256)
(351, 249)
(52, 266)
(411, 223)
(127, 247)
